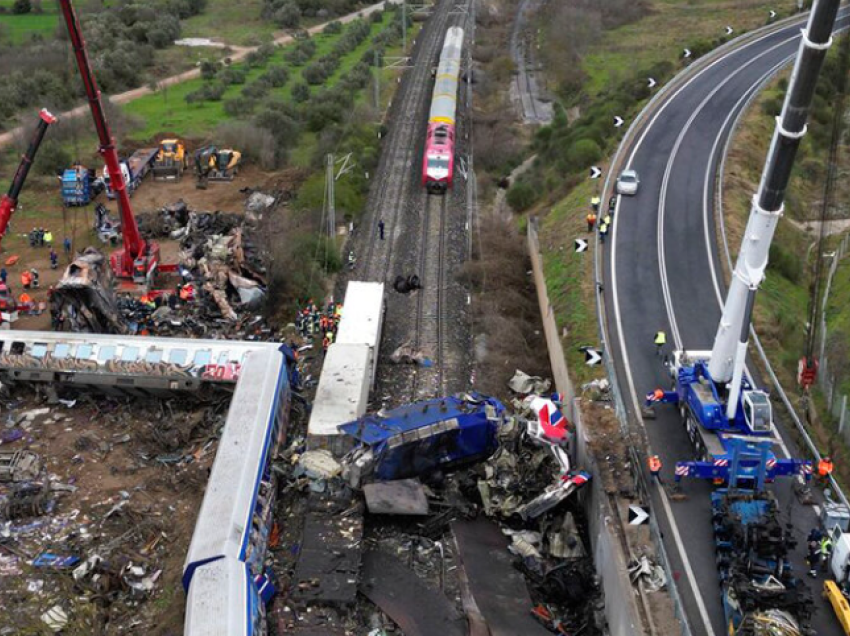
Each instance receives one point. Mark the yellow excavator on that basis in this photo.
(214, 164)
(170, 161)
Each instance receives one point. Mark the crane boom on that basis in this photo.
(730, 344)
(10, 200)
(125, 262)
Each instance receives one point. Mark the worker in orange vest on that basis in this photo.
(825, 468)
(591, 221)
(654, 463)
(26, 279)
(25, 302)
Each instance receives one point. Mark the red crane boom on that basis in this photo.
(10, 200)
(138, 257)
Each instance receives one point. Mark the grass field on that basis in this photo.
(236, 23)
(15, 29)
(671, 26)
(167, 109)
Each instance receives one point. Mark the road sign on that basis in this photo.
(595, 172)
(618, 121)
(729, 30)
(772, 14)
(581, 245)
(687, 53)
(638, 515)
(592, 357)
(652, 82)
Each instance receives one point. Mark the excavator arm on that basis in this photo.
(9, 201)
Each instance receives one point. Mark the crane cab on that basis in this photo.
(758, 411)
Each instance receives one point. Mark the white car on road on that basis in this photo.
(627, 183)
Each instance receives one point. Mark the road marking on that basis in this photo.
(686, 564)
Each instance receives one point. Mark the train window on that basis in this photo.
(177, 356)
(61, 351)
(39, 350)
(17, 348)
(154, 356)
(438, 164)
(130, 354)
(84, 352)
(203, 357)
(106, 353)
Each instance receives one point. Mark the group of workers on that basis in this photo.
(39, 237)
(605, 223)
(313, 322)
(819, 548)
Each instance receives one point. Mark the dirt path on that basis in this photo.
(240, 52)
(837, 226)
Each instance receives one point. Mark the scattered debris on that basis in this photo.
(649, 573)
(525, 384)
(408, 354)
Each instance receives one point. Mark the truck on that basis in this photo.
(725, 448)
(134, 169)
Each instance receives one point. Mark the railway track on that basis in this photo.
(431, 307)
(388, 201)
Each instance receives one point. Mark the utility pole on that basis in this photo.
(730, 343)
(330, 196)
(403, 26)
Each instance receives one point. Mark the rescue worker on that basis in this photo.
(25, 303)
(607, 220)
(3, 275)
(814, 558)
(330, 337)
(352, 260)
(660, 341)
(67, 245)
(654, 396)
(603, 232)
(34, 273)
(825, 550)
(325, 344)
(48, 238)
(594, 203)
(26, 279)
(591, 221)
(33, 237)
(825, 468)
(654, 463)
(612, 205)
(381, 228)
(54, 259)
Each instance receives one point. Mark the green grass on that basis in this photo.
(17, 29)
(569, 278)
(167, 109)
(236, 23)
(664, 33)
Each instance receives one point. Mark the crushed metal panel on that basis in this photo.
(497, 587)
(416, 607)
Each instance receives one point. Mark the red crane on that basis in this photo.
(138, 258)
(10, 200)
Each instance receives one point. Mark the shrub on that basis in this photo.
(521, 196)
(211, 92)
(233, 75)
(208, 69)
(584, 152)
(315, 74)
(300, 92)
(237, 107)
(333, 28)
(52, 158)
(785, 263)
(288, 16)
(20, 7)
(276, 76)
(257, 89)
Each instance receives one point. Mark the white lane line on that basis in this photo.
(686, 564)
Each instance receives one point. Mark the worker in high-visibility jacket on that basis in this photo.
(824, 470)
(660, 341)
(654, 463)
(26, 279)
(591, 221)
(603, 232)
(825, 549)
(594, 203)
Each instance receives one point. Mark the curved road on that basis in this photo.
(663, 272)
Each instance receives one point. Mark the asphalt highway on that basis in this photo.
(662, 272)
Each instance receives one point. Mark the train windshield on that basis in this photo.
(438, 164)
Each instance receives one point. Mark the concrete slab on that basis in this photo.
(399, 497)
(498, 589)
(418, 608)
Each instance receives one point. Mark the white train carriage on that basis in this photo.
(444, 97)
(223, 601)
(236, 515)
(363, 318)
